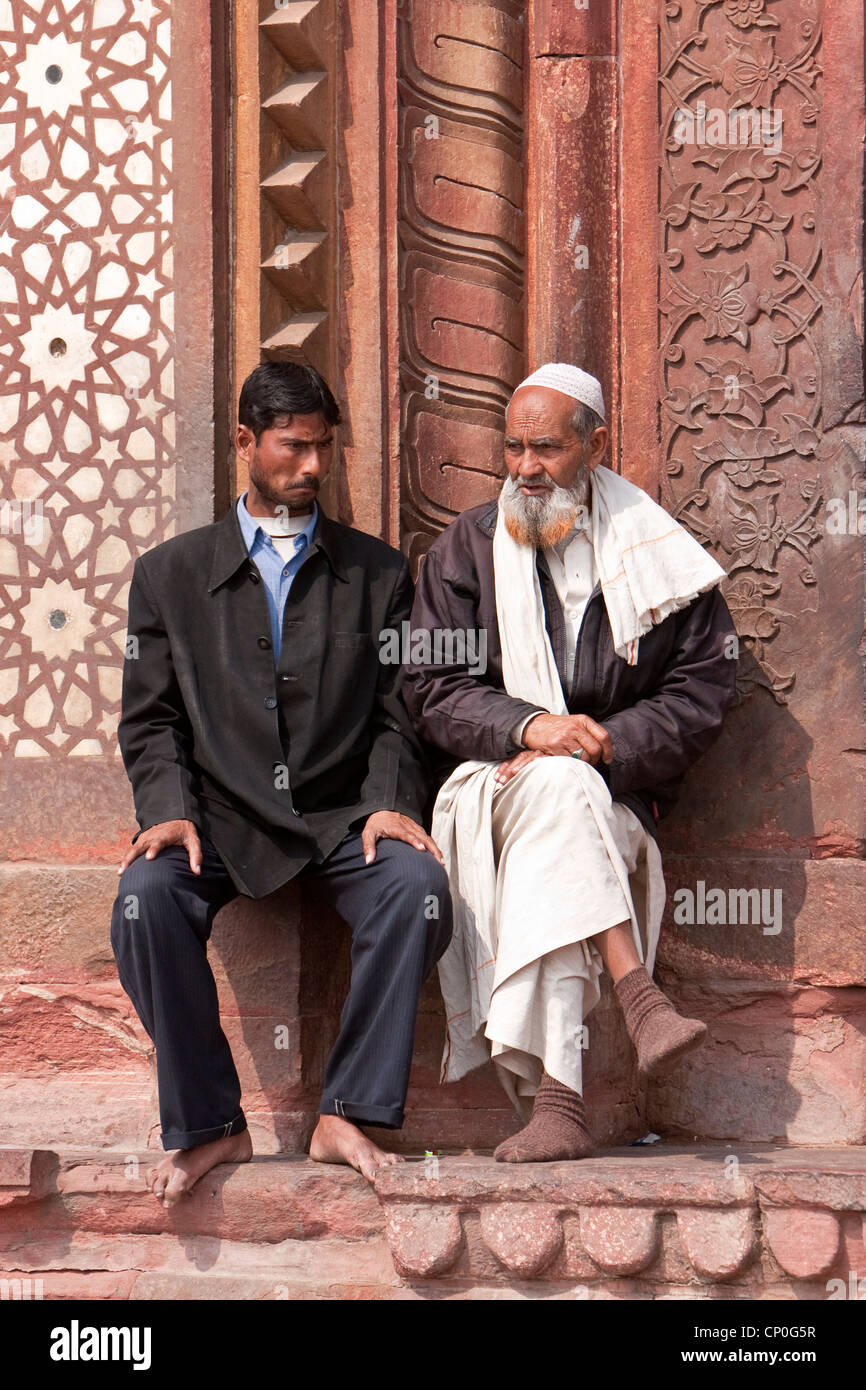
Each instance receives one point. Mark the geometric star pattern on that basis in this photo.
(86, 355)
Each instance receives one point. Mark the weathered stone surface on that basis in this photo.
(424, 1240)
(60, 1285)
(104, 1110)
(54, 922)
(718, 1243)
(822, 1182)
(315, 1264)
(782, 1063)
(572, 180)
(524, 1236)
(628, 1222)
(620, 1241)
(460, 253)
(254, 953)
(268, 1059)
(564, 29)
(805, 1243)
(275, 1287)
(692, 1226)
(819, 937)
(272, 1199)
(76, 1027)
(269, 1201)
(25, 1175)
(660, 1176)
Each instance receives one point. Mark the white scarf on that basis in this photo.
(648, 567)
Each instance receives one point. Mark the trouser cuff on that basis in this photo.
(192, 1138)
(382, 1116)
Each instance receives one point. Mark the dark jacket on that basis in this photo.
(275, 765)
(661, 714)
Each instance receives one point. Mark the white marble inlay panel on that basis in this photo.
(86, 349)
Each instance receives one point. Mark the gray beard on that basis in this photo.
(543, 521)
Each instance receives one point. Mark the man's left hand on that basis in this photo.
(391, 825)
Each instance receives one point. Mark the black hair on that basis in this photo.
(274, 389)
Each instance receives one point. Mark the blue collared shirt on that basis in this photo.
(277, 574)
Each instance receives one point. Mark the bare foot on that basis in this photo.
(336, 1140)
(180, 1171)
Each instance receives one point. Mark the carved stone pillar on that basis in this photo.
(461, 266)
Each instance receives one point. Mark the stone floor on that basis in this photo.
(660, 1222)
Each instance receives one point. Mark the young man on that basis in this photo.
(265, 740)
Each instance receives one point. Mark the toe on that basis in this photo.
(367, 1165)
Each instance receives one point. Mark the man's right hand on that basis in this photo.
(168, 832)
(565, 734)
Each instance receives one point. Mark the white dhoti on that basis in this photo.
(559, 862)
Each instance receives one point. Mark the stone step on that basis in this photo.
(651, 1222)
(89, 1265)
(268, 1200)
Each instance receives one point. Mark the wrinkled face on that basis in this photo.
(542, 450)
(548, 464)
(290, 462)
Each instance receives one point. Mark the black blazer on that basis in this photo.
(275, 765)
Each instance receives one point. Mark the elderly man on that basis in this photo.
(609, 671)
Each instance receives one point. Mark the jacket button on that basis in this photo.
(264, 644)
(271, 702)
(295, 812)
(287, 678)
(255, 578)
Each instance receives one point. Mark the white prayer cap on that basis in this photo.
(571, 381)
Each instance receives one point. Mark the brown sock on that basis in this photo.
(660, 1035)
(558, 1128)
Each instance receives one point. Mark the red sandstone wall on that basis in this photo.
(507, 192)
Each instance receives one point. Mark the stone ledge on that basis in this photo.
(660, 1222)
(266, 1201)
(666, 1216)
